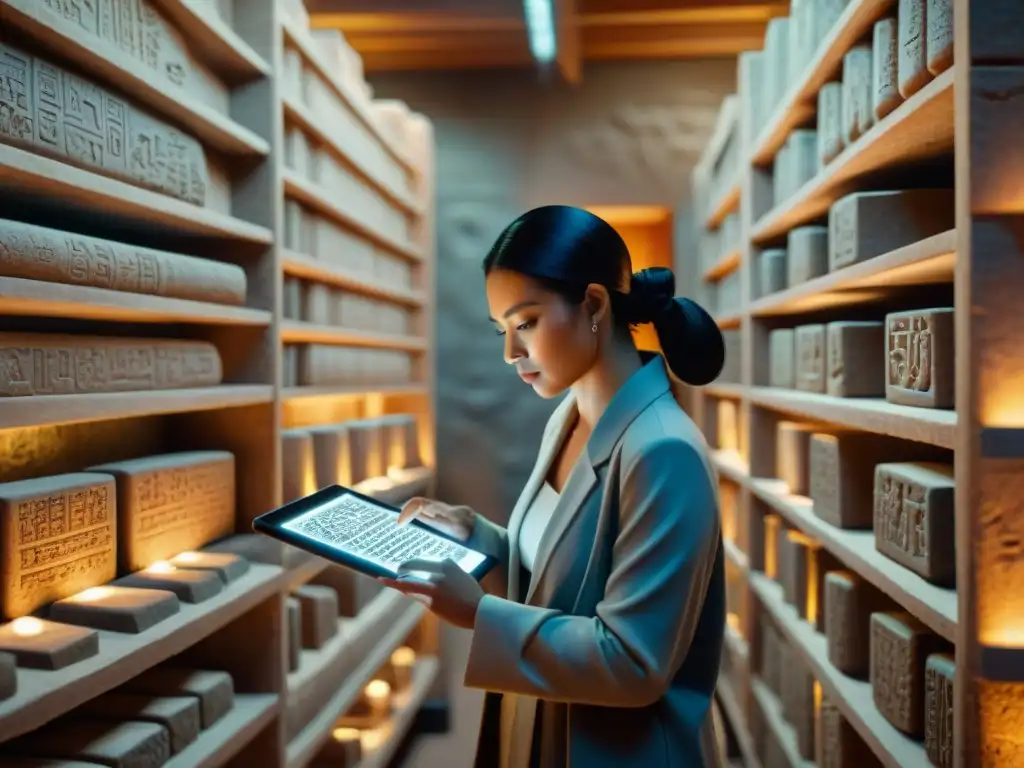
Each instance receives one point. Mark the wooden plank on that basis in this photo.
(298, 332)
(308, 268)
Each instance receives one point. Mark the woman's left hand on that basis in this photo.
(447, 590)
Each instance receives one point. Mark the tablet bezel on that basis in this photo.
(271, 524)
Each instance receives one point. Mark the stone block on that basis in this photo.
(294, 618)
(782, 358)
(939, 703)
(298, 464)
(215, 690)
(116, 609)
(131, 744)
(913, 68)
(179, 715)
(830, 123)
(856, 359)
(920, 358)
(838, 745)
(939, 40)
(849, 603)
(809, 341)
(771, 271)
(792, 455)
(807, 254)
(857, 113)
(885, 91)
(319, 606)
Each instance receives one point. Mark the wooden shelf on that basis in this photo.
(800, 102)
(219, 45)
(70, 409)
(308, 268)
(329, 204)
(68, 185)
(728, 203)
(43, 695)
(853, 697)
(932, 260)
(391, 735)
(731, 465)
(726, 264)
(394, 390)
(921, 127)
(65, 38)
(304, 44)
(733, 391)
(251, 713)
(20, 296)
(297, 113)
(308, 742)
(298, 332)
(729, 321)
(736, 555)
(782, 731)
(734, 714)
(923, 425)
(935, 606)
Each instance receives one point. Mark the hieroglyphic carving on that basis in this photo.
(40, 364)
(914, 518)
(849, 603)
(938, 707)
(131, 26)
(857, 114)
(885, 89)
(919, 358)
(810, 358)
(825, 476)
(798, 699)
(41, 253)
(939, 42)
(58, 538)
(172, 503)
(838, 743)
(856, 366)
(899, 646)
(912, 69)
(47, 109)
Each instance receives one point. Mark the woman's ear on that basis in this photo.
(597, 303)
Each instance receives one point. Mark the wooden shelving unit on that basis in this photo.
(213, 94)
(953, 131)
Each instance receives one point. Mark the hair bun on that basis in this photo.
(651, 292)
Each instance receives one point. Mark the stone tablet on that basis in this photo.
(294, 614)
(54, 364)
(214, 690)
(939, 702)
(838, 743)
(298, 464)
(320, 303)
(849, 603)
(56, 113)
(913, 69)
(900, 645)
(59, 537)
(857, 114)
(792, 455)
(782, 357)
(795, 558)
(863, 225)
(914, 519)
(8, 676)
(228, 567)
(830, 123)
(771, 271)
(843, 473)
(856, 359)
(40, 644)
(130, 744)
(355, 591)
(810, 358)
(178, 714)
(920, 358)
(798, 700)
(171, 503)
(939, 40)
(802, 159)
(400, 437)
(319, 606)
(885, 90)
(807, 254)
(54, 256)
(116, 609)
(189, 586)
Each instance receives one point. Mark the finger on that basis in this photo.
(421, 564)
(412, 509)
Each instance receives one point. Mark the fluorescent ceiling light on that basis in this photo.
(540, 27)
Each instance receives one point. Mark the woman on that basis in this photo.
(603, 626)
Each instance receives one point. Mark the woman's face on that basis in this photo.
(549, 340)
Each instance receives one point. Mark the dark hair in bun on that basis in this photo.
(566, 249)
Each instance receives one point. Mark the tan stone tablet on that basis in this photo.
(939, 40)
(792, 455)
(189, 586)
(939, 673)
(857, 113)
(116, 609)
(838, 743)
(228, 567)
(810, 358)
(355, 591)
(40, 644)
(215, 690)
(130, 744)
(920, 358)
(849, 603)
(856, 359)
(885, 95)
(798, 700)
(830, 123)
(298, 464)
(782, 357)
(319, 614)
(914, 74)
(179, 715)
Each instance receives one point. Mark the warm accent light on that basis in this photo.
(93, 594)
(813, 599)
(1010, 636)
(372, 740)
(188, 557)
(378, 697)
(161, 566)
(771, 540)
(27, 626)
(733, 621)
(345, 734)
(402, 661)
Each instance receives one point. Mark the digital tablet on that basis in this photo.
(362, 533)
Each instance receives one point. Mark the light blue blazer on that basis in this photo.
(609, 655)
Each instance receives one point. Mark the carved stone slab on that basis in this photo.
(798, 700)
(792, 455)
(58, 537)
(920, 358)
(823, 563)
(117, 609)
(914, 519)
(50, 255)
(54, 112)
(298, 464)
(354, 590)
(294, 615)
(319, 606)
(347, 453)
(228, 567)
(178, 714)
(938, 709)
(863, 225)
(807, 252)
(771, 271)
(129, 744)
(900, 645)
(189, 586)
(913, 69)
(939, 41)
(885, 96)
(838, 743)
(843, 473)
(858, 116)
(830, 123)
(856, 361)
(794, 554)
(810, 358)
(172, 503)
(50, 646)
(782, 357)
(849, 603)
(52, 364)
(215, 690)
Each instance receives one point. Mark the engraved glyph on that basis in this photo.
(910, 350)
(41, 253)
(58, 538)
(810, 354)
(824, 470)
(919, 358)
(40, 364)
(938, 708)
(50, 110)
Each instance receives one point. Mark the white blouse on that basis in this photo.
(535, 521)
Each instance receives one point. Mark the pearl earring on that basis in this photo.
(594, 327)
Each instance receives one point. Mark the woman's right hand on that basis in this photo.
(453, 521)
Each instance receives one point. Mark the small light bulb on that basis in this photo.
(27, 626)
(188, 557)
(93, 593)
(345, 734)
(161, 566)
